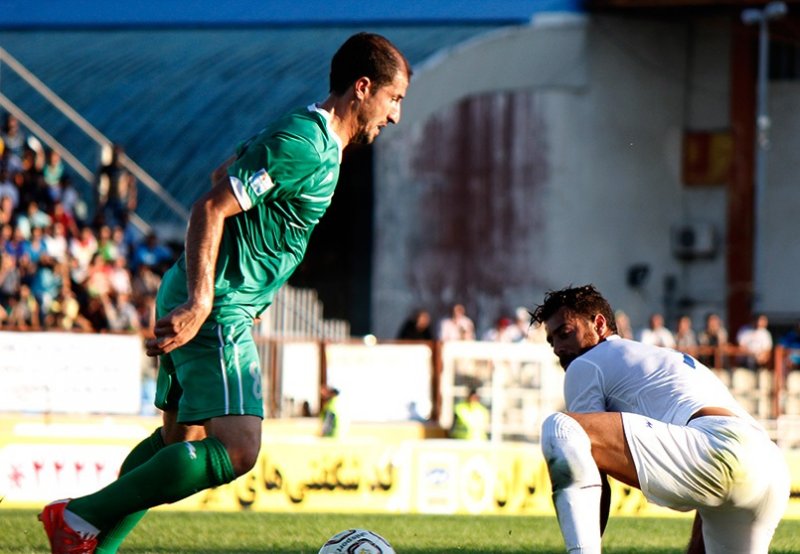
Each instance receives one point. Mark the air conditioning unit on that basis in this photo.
(691, 241)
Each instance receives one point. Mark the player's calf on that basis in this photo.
(575, 480)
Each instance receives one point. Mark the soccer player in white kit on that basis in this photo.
(658, 420)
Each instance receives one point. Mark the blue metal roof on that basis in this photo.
(180, 100)
(92, 13)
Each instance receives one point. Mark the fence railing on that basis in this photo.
(297, 314)
(520, 383)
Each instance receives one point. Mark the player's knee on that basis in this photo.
(243, 458)
(567, 450)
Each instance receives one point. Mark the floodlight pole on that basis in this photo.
(753, 16)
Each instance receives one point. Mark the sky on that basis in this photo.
(102, 13)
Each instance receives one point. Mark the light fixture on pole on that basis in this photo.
(761, 17)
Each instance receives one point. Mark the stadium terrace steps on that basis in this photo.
(180, 100)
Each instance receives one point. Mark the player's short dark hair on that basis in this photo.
(366, 55)
(585, 301)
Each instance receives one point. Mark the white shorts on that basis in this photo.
(726, 468)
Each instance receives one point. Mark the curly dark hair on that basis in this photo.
(584, 301)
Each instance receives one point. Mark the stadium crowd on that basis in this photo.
(68, 262)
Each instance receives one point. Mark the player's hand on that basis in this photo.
(176, 329)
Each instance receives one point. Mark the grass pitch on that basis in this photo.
(257, 533)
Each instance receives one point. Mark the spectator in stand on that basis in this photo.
(6, 236)
(46, 283)
(6, 210)
(458, 326)
(9, 279)
(27, 268)
(56, 243)
(13, 136)
(120, 276)
(146, 309)
(106, 245)
(122, 315)
(73, 204)
(7, 187)
(756, 340)
(16, 244)
(145, 282)
(151, 252)
(791, 342)
(624, 328)
(32, 217)
(98, 277)
(656, 333)
(685, 338)
(115, 190)
(96, 313)
(81, 249)
(58, 213)
(33, 187)
(521, 329)
(52, 172)
(24, 310)
(416, 327)
(503, 331)
(34, 247)
(65, 313)
(715, 336)
(120, 244)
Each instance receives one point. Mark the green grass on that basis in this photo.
(254, 533)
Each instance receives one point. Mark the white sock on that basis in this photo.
(576, 482)
(80, 525)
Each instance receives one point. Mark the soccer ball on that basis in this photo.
(356, 541)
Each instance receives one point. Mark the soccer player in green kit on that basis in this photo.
(245, 238)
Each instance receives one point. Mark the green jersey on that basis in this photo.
(284, 179)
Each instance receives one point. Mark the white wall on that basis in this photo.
(780, 240)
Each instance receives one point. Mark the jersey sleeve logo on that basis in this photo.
(260, 182)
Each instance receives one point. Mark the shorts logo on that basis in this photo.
(260, 182)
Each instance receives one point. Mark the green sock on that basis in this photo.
(173, 473)
(108, 542)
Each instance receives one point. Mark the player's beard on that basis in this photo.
(363, 136)
(568, 358)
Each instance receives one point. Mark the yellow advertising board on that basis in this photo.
(386, 470)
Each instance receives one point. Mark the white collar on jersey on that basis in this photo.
(328, 116)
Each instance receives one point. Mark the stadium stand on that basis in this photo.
(180, 100)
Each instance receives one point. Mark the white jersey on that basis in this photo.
(620, 375)
(726, 468)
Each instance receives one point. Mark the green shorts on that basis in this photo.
(215, 374)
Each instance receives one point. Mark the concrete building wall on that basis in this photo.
(780, 239)
(593, 112)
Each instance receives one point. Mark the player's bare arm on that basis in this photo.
(221, 173)
(202, 245)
